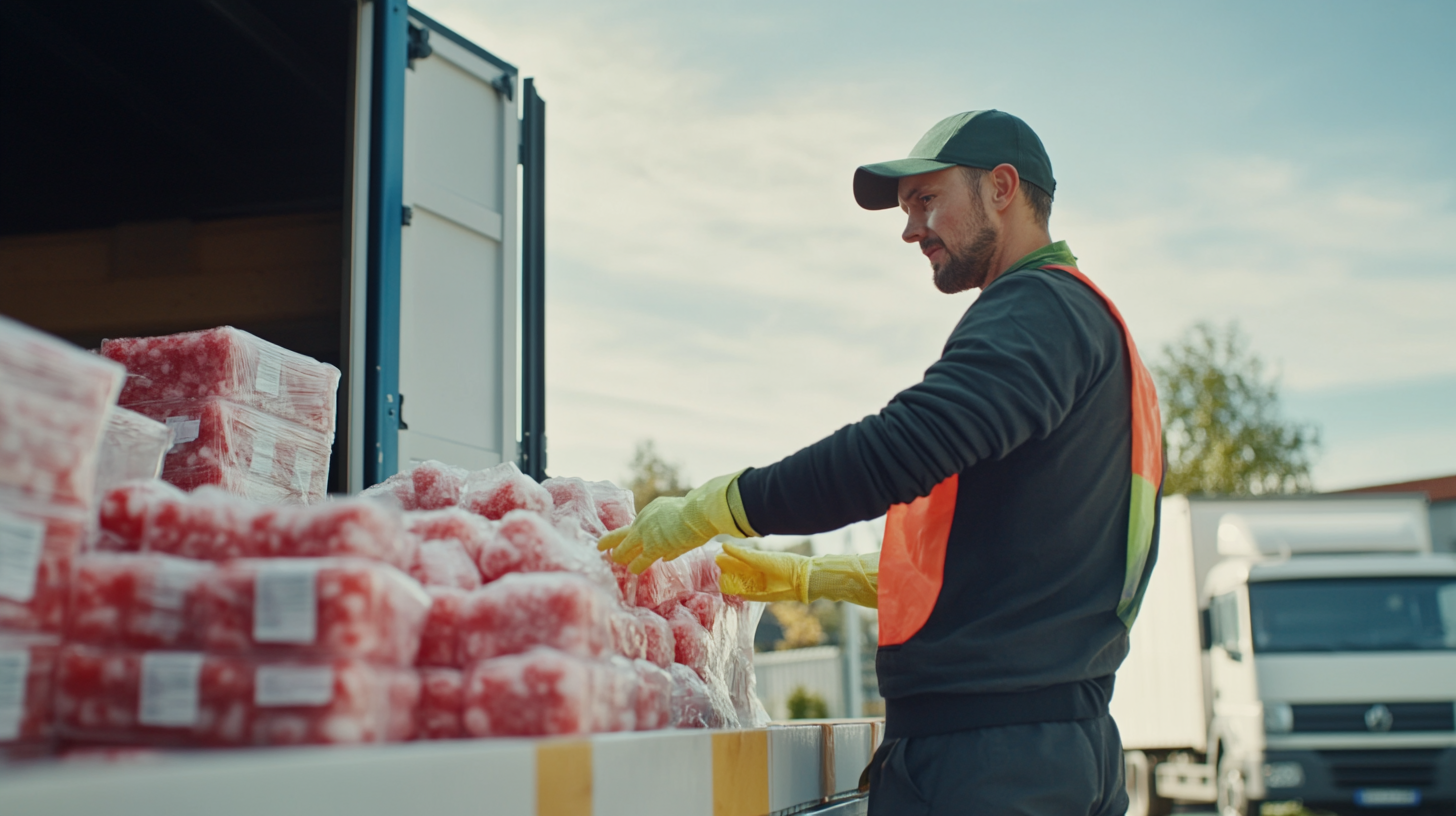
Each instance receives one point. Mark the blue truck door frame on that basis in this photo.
(375, 421)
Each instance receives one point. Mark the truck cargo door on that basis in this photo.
(458, 257)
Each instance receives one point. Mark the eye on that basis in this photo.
(925, 199)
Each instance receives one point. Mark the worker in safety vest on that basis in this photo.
(1020, 480)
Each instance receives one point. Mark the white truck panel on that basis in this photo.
(1385, 677)
(1158, 699)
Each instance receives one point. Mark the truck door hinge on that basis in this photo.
(407, 215)
(419, 44)
(505, 85)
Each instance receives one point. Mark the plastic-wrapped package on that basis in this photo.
(405, 690)
(27, 672)
(242, 450)
(442, 701)
(692, 643)
(132, 448)
(230, 363)
(527, 542)
(537, 693)
(191, 698)
(131, 601)
(692, 706)
(444, 563)
(573, 506)
(37, 545)
(440, 638)
(328, 607)
(705, 606)
(614, 693)
(629, 633)
(495, 491)
(54, 400)
(616, 506)
(661, 648)
(664, 583)
(214, 525)
(472, 531)
(701, 567)
(429, 485)
(653, 698)
(522, 610)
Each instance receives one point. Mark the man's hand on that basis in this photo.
(670, 526)
(781, 576)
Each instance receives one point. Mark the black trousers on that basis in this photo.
(1064, 768)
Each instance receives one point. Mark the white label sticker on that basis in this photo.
(285, 606)
(170, 688)
(263, 446)
(293, 686)
(184, 430)
(20, 546)
(14, 671)
(302, 474)
(270, 371)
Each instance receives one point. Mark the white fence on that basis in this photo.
(818, 669)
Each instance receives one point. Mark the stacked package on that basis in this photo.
(532, 631)
(206, 619)
(54, 404)
(250, 417)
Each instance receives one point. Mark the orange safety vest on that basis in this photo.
(912, 559)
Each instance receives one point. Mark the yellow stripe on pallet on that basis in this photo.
(740, 773)
(564, 778)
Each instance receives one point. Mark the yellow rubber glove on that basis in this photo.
(670, 526)
(780, 576)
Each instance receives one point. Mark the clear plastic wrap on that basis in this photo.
(429, 485)
(472, 531)
(616, 506)
(692, 644)
(242, 450)
(527, 542)
(661, 648)
(191, 698)
(54, 400)
(573, 507)
(540, 692)
(298, 607)
(520, 611)
(214, 525)
(442, 701)
(629, 633)
(692, 706)
(665, 583)
(133, 447)
(440, 639)
(406, 690)
(229, 363)
(495, 491)
(27, 674)
(653, 697)
(614, 695)
(445, 563)
(38, 543)
(122, 600)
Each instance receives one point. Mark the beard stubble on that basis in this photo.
(968, 268)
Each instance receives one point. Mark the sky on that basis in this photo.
(713, 287)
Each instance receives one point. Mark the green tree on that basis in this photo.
(1221, 420)
(806, 705)
(653, 476)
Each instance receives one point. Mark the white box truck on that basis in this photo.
(1293, 649)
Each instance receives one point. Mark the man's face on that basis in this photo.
(948, 220)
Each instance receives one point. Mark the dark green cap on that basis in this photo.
(982, 139)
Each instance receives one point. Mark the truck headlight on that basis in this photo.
(1283, 775)
(1278, 718)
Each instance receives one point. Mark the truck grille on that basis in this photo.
(1382, 769)
(1402, 717)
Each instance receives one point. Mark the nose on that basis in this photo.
(914, 230)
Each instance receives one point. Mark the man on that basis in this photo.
(1020, 480)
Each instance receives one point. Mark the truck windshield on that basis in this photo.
(1354, 615)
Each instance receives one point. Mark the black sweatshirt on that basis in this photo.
(1030, 404)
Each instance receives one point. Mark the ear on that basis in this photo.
(1002, 185)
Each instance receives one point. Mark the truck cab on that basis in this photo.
(1331, 662)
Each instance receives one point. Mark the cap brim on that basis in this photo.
(877, 186)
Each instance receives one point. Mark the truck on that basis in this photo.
(1293, 649)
